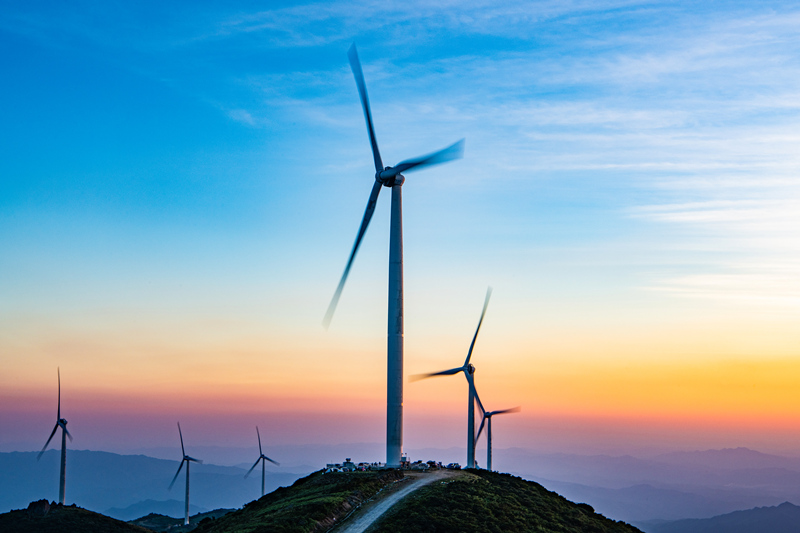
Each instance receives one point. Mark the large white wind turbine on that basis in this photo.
(487, 416)
(389, 177)
(469, 371)
(186, 459)
(262, 458)
(62, 423)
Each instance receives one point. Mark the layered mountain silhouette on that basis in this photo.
(126, 486)
(784, 518)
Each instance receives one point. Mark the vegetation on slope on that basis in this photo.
(159, 522)
(312, 504)
(486, 501)
(41, 517)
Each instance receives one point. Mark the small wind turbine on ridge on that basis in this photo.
(186, 459)
(62, 423)
(389, 177)
(262, 458)
(487, 416)
(469, 370)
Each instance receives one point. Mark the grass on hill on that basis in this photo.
(312, 504)
(486, 501)
(64, 519)
(159, 522)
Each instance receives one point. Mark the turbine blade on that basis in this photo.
(252, 467)
(504, 411)
(276, 463)
(55, 428)
(373, 199)
(59, 394)
(478, 400)
(176, 475)
(193, 459)
(259, 442)
(355, 65)
(454, 151)
(64, 427)
(417, 377)
(480, 428)
(180, 433)
(483, 313)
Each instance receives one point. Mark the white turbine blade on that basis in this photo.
(480, 428)
(452, 371)
(181, 436)
(371, 203)
(505, 411)
(454, 151)
(259, 442)
(55, 428)
(355, 65)
(176, 475)
(200, 461)
(59, 394)
(252, 467)
(276, 463)
(64, 427)
(483, 313)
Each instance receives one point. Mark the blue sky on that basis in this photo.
(191, 176)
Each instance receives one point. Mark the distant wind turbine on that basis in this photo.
(262, 458)
(468, 370)
(62, 423)
(487, 416)
(186, 459)
(389, 177)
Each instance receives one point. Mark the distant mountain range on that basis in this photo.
(784, 518)
(636, 490)
(665, 487)
(126, 486)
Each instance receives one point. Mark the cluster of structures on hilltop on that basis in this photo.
(349, 466)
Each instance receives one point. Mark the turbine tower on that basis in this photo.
(469, 370)
(62, 423)
(262, 458)
(186, 459)
(488, 417)
(389, 177)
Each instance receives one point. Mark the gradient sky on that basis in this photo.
(180, 186)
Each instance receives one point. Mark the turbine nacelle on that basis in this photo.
(389, 177)
(471, 369)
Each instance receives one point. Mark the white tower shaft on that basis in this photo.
(62, 482)
(186, 517)
(394, 349)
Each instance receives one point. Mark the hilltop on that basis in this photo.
(43, 517)
(473, 500)
(312, 504)
(480, 500)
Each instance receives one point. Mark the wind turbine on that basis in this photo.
(62, 423)
(262, 458)
(469, 370)
(488, 416)
(389, 177)
(186, 459)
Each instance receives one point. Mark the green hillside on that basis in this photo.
(312, 504)
(41, 517)
(159, 522)
(486, 501)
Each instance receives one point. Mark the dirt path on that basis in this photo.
(359, 522)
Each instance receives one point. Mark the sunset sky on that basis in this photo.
(181, 184)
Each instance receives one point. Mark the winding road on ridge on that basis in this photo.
(365, 517)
